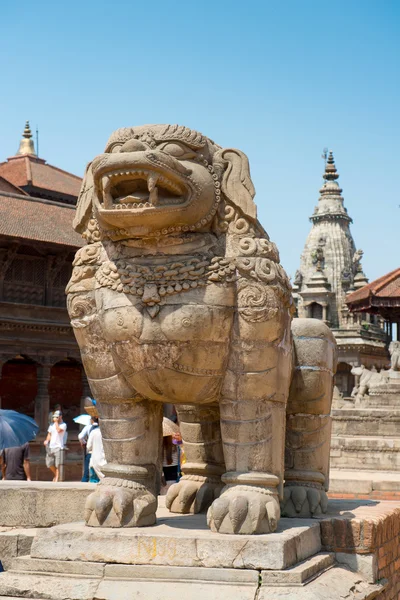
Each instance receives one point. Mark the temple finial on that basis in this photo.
(330, 168)
(26, 145)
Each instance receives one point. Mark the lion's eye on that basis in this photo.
(178, 150)
(116, 148)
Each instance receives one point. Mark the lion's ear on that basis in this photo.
(84, 204)
(236, 181)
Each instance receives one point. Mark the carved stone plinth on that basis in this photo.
(180, 557)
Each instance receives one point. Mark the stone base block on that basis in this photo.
(13, 543)
(181, 541)
(42, 503)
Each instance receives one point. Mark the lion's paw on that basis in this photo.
(303, 501)
(244, 510)
(193, 494)
(120, 503)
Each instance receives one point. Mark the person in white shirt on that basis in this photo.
(97, 458)
(55, 442)
(83, 438)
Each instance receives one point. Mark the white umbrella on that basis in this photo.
(83, 419)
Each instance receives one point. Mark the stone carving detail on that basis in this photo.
(367, 379)
(394, 350)
(318, 258)
(357, 268)
(179, 295)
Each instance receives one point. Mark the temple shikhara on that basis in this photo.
(330, 269)
(40, 361)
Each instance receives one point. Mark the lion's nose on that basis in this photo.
(133, 146)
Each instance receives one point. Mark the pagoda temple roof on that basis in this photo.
(24, 217)
(32, 173)
(7, 186)
(383, 292)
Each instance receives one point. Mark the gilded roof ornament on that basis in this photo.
(26, 145)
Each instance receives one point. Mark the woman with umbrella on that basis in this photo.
(15, 431)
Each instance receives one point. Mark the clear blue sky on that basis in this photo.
(279, 80)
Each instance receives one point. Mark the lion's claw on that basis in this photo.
(115, 505)
(192, 495)
(303, 501)
(244, 511)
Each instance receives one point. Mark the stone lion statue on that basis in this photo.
(178, 296)
(367, 379)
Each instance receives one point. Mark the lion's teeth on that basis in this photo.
(154, 196)
(152, 181)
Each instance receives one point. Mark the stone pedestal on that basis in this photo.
(336, 556)
(41, 503)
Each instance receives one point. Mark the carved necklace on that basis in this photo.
(154, 282)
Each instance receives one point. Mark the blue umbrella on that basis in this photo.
(16, 429)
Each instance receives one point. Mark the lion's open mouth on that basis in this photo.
(141, 189)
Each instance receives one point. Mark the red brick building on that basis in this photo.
(39, 359)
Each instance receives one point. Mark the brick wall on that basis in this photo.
(371, 528)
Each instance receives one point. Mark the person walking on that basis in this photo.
(83, 439)
(95, 447)
(15, 463)
(55, 444)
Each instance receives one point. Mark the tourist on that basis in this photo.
(171, 460)
(56, 408)
(83, 438)
(95, 447)
(15, 463)
(55, 444)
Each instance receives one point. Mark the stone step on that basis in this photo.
(333, 584)
(299, 574)
(144, 582)
(363, 482)
(360, 452)
(392, 400)
(366, 422)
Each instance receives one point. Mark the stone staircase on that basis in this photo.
(77, 580)
(367, 436)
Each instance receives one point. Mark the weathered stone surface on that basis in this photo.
(335, 583)
(179, 297)
(63, 587)
(13, 543)
(27, 564)
(182, 541)
(300, 573)
(41, 503)
(365, 564)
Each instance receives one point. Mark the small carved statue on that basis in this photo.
(367, 379)
(179, 297)
(298, 278)
(318, 258)
(394, 351)
(357, 256)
